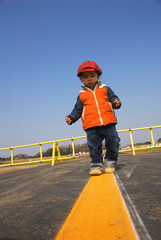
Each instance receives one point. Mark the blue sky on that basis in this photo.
(42, 42)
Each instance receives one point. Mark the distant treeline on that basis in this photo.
(64, 150)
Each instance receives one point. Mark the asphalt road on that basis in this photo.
(141, 179)
(36, 199)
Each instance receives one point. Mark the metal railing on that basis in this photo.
(56, 149)
(133, 147)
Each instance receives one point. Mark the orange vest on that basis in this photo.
(97, 110)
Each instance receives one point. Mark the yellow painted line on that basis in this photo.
(14, 169)
(98, 214)
(8, 170)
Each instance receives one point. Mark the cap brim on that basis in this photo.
(86, 70)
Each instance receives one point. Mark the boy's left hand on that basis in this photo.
(117, 103)
(68, 120)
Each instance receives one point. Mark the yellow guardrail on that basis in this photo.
(59, 158)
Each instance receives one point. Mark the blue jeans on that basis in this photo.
(96, 135)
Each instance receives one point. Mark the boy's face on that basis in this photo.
(89, 78)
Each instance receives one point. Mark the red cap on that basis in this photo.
(89, 66)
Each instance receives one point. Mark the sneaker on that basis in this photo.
(96, 169)
(109, 166)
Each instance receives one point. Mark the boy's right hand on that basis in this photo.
(68, 120)
(117, 103)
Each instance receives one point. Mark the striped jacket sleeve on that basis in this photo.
(77, 111)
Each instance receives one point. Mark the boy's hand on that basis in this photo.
(117, 103)
(68, 120)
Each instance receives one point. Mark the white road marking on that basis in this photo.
(143, 234)
(131, 171)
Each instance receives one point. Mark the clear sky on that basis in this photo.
(42, 42)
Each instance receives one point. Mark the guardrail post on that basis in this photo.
(132, 142)
(12, 155)
(152, 136)
(40, 152)
(53, 154)
(58, 152)
(73, 148)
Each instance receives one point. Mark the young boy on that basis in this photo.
(95, 104)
